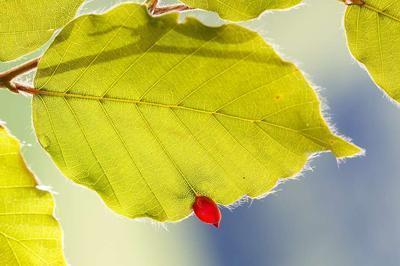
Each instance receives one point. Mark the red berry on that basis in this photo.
(207, 211)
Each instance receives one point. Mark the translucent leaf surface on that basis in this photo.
(239, 10)
(25, 25)
(373, 33)
(149, 112)
(29, 234)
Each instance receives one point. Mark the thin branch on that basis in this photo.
(17, 88)
(167, 9)
(7, 76)
(19, 70)
(152, 5)
(154, 9)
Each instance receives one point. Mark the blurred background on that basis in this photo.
(345, 214)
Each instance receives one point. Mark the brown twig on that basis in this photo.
(18, 70)
(154, 9)
(166, 9)
(7, 76)
(152, 5)
(22, 88)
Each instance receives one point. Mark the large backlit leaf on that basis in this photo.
(25, 25)
(148, 112)
(239, 10)
(373, 33)
(29, 234)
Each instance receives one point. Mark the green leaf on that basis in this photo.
(148, 112)
(29, 234)
(240, 10)
(373, 34)
(25, 25)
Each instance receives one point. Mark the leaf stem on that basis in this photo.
(17, 88)
(7, 76)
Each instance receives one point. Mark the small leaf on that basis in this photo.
(150, 112)
(25, 25)
(373, 34)
(29, 234)
(240, 10)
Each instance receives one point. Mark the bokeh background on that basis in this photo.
(345, 214)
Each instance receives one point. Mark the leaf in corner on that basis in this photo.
(25, 25)
(373, 34)
(240, 10)
(29, 234)
(149, 112)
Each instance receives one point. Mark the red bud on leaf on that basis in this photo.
(207, 210)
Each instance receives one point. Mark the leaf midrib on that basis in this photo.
(26, 31)
(178, 107)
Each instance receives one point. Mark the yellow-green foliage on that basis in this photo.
(237, 10)
(148, 112)
(29, 234)
(25, 25)
(373, 33)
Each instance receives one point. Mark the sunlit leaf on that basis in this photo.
(373, 33)
(25, 25)
(149, 112)
(239, 10)
(29, 234)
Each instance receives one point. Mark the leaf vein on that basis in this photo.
(136, 102)
(209, 154)
(254, 90)
(214, 77)
(176, 65)
(240, 144)
(135, 61)
(116, 131)
(101, 51)
(164, 149)
(52, 128)
(381, 12)
(24, 246)
(91, 149)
